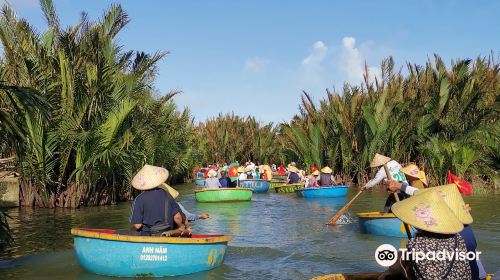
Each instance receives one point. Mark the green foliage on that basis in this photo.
(233, 138)
(446, 119)
(79, 111)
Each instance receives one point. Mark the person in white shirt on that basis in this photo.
(396, 174)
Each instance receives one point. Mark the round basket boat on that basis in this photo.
(106, 252)
(200, 181)
(275, 183)
(256, 185)
(223, 195)
(380, 223)
(330, 191)
(288, 188)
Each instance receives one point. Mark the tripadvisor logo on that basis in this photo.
(386, 255)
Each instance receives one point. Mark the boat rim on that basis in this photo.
(255, 180)
(221, 189)
(110, 235)
(287, 185)
(322, 188)
(375, 215)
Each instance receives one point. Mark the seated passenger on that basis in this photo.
(212, 182)
(224, 180)
(293, 176)
(326, 177)
(313, 179)
(155, 211)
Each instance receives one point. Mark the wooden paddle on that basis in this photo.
(334, 219)
(396, 197)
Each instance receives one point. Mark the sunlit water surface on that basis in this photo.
(275, 236)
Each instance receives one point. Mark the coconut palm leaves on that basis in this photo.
(447, 119)
(84, 108)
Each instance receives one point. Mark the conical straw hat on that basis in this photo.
(212, 173)
(326, 170)
(149, 177)
(174, 193)
(453, 198)
(428, 212)
(315, 173)
(293, 169)
(241, 169)
(379, 160)
(413, 171)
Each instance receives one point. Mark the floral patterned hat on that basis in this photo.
(428, 212)
(149, 177)
(452, 198)
(411, 170)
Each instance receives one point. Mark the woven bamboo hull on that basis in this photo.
(288, 188)
(256, 185)
(275, 183)
(223, 195)
(330, 191)
(385, 224)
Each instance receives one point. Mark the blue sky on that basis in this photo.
(256, 57)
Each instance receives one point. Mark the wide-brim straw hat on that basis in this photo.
(212, 173)
(293, 169)
(241, 170)
(326, 170)
(414, 172)
(428, 212)
(173, 192)
(452, 197)
(379, 160)
(315, 173)
(248, 169)
(149, 177)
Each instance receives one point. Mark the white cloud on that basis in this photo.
(312, 68)
(317, 55)
(255, 64)
(352, 62)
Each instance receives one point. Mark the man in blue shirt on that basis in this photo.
(154, 210)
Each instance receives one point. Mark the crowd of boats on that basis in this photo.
(422, 215)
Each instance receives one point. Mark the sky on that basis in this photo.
(257, 57)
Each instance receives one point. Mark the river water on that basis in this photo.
(275, 236)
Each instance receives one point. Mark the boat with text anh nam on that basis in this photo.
(330, 191)
(256, 185)
(223, 195)
(106, 252)
(288, 188)
(380, 223)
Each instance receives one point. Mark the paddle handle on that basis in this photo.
(396, 197)
(334, 219)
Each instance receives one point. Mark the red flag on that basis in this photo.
(463, 186)
(313, 168)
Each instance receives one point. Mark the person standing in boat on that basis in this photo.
(437, 231)
(326, 178)
(212, 182)
(395, 169)
(154, 210)
(293, 176)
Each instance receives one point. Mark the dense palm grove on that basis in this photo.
(81, 115)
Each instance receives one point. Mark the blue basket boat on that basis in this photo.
(105, 252)
(200, 181)
(385, 224)
(330, 191)
(256, 185)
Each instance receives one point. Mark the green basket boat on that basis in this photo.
(275, 183)
(288, 188)
(223, 195)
